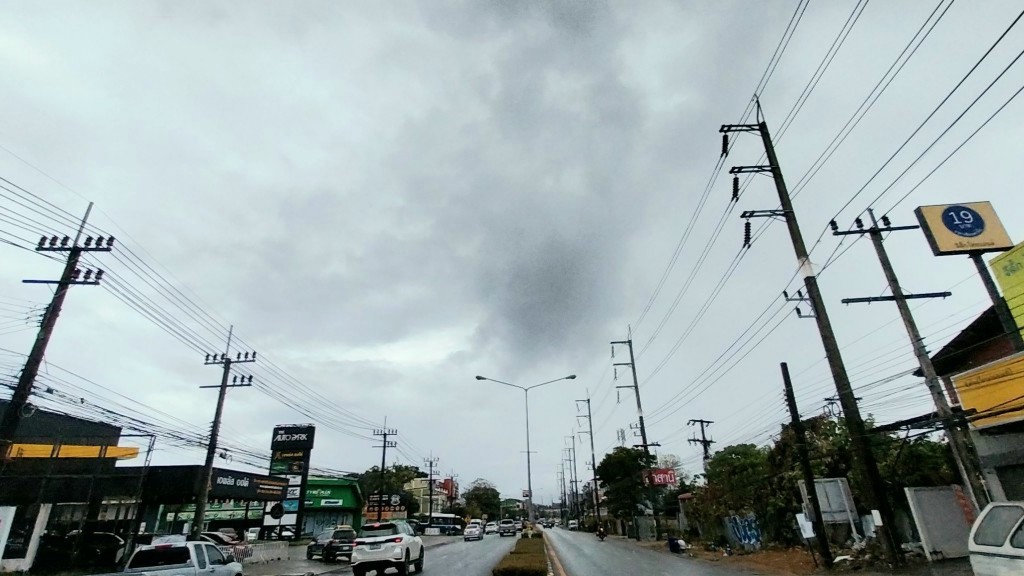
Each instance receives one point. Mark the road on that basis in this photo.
(475, 558)
(582, 554)
(444, 556)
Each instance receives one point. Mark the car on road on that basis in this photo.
(996, 543)
(472, 532)
(507, 527)
(332, 544)
(491, 528)
(384, 545)
(183, 559)
(574, 525)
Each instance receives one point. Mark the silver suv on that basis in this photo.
(387, 545)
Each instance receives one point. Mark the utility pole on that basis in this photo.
(704, 441)
(805, 465)
(384, 445)
(593, 456)
(640, 419)
(864, 457)
(431, 463)
(576, 479)
(572, 481)
(563, 513)
(71, 276)
(211, 448)
(958, 440)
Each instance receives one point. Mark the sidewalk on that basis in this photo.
(297, 565)
(796, 562)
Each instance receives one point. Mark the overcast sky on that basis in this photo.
(387, 199)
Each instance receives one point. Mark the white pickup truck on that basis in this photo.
(183, 559)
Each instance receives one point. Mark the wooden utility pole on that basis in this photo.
(805, 467)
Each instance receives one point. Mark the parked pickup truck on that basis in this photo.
(183, 559)
(507, 527)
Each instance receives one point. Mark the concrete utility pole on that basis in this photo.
(958, 439)
(384, 445)
(71, 276)
(593, 456)
(864, 457)
(576, 479)
(640, 421)
(572, 481)
(563, 513)
(805, 467)
(211, 448)
(704, 441)
(431, 463)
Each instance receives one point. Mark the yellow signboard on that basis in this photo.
(69, 451)
(1008, 270)
(963, 228)
(995, 391)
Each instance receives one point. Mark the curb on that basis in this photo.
(554, 564)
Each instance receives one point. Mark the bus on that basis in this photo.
(446, 524)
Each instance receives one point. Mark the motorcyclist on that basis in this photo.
(601, 532)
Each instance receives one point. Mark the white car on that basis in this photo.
(491, 528)
(996, 543)
(182, 559)
(384, 545)
(473, 532)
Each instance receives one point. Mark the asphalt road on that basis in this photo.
(582, 554)
(444, 557)
(475, 558)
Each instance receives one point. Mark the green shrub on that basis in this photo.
(522, 565)
(528, 558)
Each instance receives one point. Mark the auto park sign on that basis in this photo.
(662, 477)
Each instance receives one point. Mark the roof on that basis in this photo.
(959, 353)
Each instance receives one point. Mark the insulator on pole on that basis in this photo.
(725, 145)
(746, 234)
(735, 188)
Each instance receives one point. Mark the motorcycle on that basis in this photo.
(601, 534)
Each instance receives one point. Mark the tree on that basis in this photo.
(482, 498)
(620, 473)
(396, 477)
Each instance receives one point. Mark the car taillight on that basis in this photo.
(359, 543)
(395, 540)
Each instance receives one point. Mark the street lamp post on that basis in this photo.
(526, 400)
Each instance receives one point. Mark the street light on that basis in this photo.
(526, 402)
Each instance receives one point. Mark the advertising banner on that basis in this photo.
(232, 485)
(994, 391)
(966, 228)
(662, 477)
(290, 449)
(1008, 270)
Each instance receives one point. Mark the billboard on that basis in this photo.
(293, 437)
(1008, 270)
(662, 477)
(384, 506)
(290, 449)
(966, 228)
(995, 391)
(232, 485)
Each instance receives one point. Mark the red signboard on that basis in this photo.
(662, 477)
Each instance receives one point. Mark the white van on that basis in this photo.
(574, 525)
(997, 540)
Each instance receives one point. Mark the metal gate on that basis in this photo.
(942, 522)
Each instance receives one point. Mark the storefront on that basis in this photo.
(331, 502)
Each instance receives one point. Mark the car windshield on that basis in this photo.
(170, 556)
(508, 521)
(343, 534)
(377, 530)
